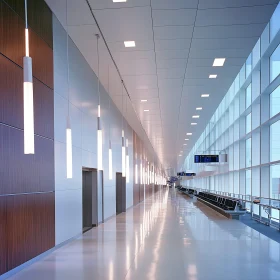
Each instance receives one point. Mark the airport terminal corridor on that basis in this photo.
(168, 236)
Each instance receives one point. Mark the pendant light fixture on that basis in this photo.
(99, 130)
(141, 172)
(136, 170)
(110, 144)
(69, 159)
(123, 141)
(127, 155)
(28, 104)
(127, 162)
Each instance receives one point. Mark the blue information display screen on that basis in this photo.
(206, 158)
(185, 174)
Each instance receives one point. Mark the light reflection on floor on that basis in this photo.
(166, 237)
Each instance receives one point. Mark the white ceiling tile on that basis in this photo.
(173, 44)
(213, 53)
(171, 63)
(229, 31)
(78, 13)
(224, 43)
(170, 83)
(141, 82)
(145, 94)
(126, 22)
(231, 16)
(172, 54)
(174, 17)
(171, 73)
(109, 4)
(206, 4)
(173, 32)
(142, 45)
(138, 67)
(174, 4)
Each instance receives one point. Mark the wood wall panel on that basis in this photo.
(39, 17)
(3, 235)
(11, 100)
(27, 217)
(30, 224)
(22, 173)
(12, 45)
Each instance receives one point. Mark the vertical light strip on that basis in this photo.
(123, 154)
(110, 162)
(127, 162)
(69, 159)
(28, 104)
(99, 130)
(110, 143)
(69, 148)
(141, 173)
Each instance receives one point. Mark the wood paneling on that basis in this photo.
(22, 173)
(11, 100)
(3, 235)
(12, 45)
(27, 217)
(39, 17)
(30, 226)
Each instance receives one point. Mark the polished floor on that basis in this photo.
(167, 237)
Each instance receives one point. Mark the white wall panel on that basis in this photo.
(83, 115)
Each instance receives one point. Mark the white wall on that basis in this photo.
(83, 99)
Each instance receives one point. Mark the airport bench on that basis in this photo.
(229, 207)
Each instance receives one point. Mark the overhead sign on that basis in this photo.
(185, 174)
(206, 158)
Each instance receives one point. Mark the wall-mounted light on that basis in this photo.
(28, 104)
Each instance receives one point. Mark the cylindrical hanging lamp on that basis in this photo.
(99, 130)
(28, 103)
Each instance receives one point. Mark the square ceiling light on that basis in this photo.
(198, 108)
(195, 117)
(144, 100)
(219, 62)
(212, 76)
(193, 123)
(189, 133)
(119, 1)
(129, 44)
(205, 95)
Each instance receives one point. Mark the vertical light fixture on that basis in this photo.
(28, 106)
(110, 144)
(99, 130)
(136, 170)
(69, 155)
(141, 173)
(123, 139)
(127, 162)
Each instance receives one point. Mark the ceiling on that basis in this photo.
(176, 44)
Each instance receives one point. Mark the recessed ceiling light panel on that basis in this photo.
(219, 62)
(195, 117)
(129, 44)
(119, 1)
(193, 123)
(204, 95)
(189, 133)
(212, 76)
(198, 108)
(146, 110)
(144, 100)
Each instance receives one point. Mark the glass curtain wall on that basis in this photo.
(246, 126)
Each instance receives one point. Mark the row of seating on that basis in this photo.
(221, 202)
